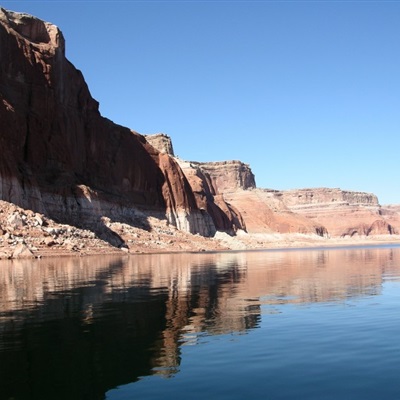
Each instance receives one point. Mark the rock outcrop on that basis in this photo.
(264, 212)
(341, 212)
(161, 142)
(391, 214)
(209, 196)
(317, 198)
(227, 190)
(227, 176)
(60, 157)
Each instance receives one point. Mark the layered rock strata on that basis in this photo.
(264, 212)
(230, 187)
(319, 198)
(60, 156)
(227, 176)
(209, 181)
(227, 192)
(62, 159)
(342, 212)
(161, 142)
(209, 196)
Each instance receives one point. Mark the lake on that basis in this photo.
(294, 324)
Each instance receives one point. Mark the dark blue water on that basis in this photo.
(309, 324)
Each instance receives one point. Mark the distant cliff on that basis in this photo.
(227, 191)
(318, 197)
(209, 182)
(227, 176)
(342, 212)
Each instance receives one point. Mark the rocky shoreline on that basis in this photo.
(26, 234)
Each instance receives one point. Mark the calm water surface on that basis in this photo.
(299, 324)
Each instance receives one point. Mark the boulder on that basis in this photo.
(22, 251)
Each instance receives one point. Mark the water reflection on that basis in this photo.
(75, 328)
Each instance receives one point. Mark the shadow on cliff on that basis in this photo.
(96, 214)
(89, 210)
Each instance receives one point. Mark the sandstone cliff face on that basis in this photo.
(208, 182)
(326, 197)
(61, 158)
(391, 213)
(59, 155)
(161, 142)
(219, 177)
(342, 212)
(224, 217)
(227, 176)
(264, 212)
(228, 192)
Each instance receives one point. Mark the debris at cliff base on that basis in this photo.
(26, 234)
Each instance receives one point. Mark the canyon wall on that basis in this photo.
(307, 199)
(208, 188)
(161, 142)
(60, 156)
(227, 191)
(209, 181)
(342, 212)
(227, 176)
(230, 186)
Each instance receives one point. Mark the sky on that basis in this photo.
(305, 92)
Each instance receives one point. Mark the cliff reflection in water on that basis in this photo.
(75, 328)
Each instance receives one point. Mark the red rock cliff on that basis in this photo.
(59, 155)
(62, 158)
(209, 196)
(342, 212)
(209, 181)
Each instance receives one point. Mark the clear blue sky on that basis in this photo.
(306, 92)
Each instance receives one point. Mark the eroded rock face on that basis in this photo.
(342, 212)
(54, 140)
(391, 214)
(302, 199)
(161, 142)
(62, 159)
(227, 176)
(224, 217)
(210, 182)
(264, 212)
(226, 190)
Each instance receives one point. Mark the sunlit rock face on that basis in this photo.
(298, 199)
(161, 142)
(264, 212)
(208, 185)
(57, 148)
(227, 176)
(227, 191)
(392, 214)
(60, 157)
(342, 212)
(209, 181)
